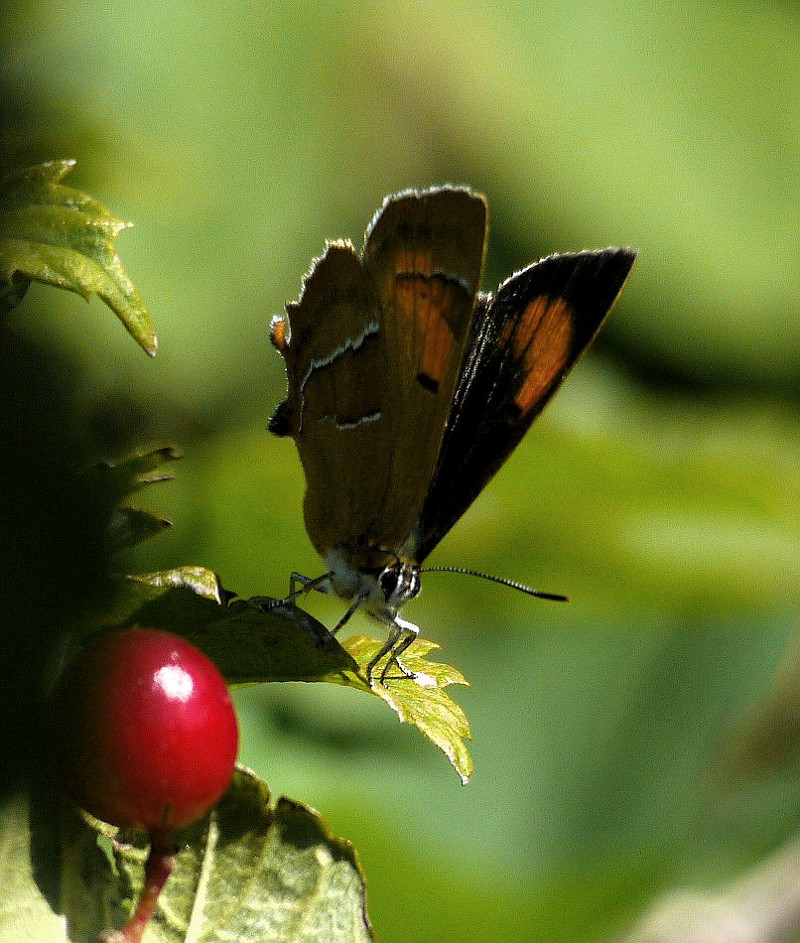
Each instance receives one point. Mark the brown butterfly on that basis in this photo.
(408, 389)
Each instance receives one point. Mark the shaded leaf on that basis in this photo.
(121, 478)
(118, 480)
(248, 871)
(247, 643)
(59, 236)
(250, 643)
(131, 526)
(423, 702)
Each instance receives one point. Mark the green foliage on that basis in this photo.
(253, 870)
(660, 491)
(53, 234)
(129, 526)
(306, 885)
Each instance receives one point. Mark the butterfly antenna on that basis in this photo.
(511, 584)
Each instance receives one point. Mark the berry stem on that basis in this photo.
(158, 867)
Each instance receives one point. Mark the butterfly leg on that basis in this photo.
(307, 583)
(401, 634)
(358, 601)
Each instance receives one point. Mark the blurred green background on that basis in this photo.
(622, 742)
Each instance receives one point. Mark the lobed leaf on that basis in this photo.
(248, 871)
(115, 482)
(423, 701)
(251, 643)
(59, 236)
(131, 526)
(248, 643)
(119, 479)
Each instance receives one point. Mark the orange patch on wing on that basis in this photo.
(279, 333)
(541, 340)
(415, 261)
(426, 306)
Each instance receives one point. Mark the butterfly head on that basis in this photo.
(398, 583)
(383, 588)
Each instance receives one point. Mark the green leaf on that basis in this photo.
(120, 479)
(25, 914)
(423, 701)
(249, 871)
(52, 234)
(129, 526)
(247, 644)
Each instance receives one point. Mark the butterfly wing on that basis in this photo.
(425, 253)
(336, 371)
(373, 353)
(522, 344)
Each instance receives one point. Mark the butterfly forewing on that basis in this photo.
(425, 253)
(521, 346)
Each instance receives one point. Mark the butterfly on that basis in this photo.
(408, 388)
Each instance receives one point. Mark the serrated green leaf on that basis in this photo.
(131, 526)
(117, 481)
(249, 871)
(248, 644)
(62, 237)
(423, 701)
(121, 478)
(251, 644)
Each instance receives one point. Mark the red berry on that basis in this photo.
(146, 730)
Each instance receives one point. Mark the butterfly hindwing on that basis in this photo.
(336, 370)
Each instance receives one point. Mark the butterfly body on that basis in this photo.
(407, 388)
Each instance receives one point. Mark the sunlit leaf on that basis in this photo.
(422, 701)
(59, 236)
(249, 871)
(251, 642)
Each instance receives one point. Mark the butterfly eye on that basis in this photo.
(399, 583)
(388, 580)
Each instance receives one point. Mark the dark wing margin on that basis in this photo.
(523, 343)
